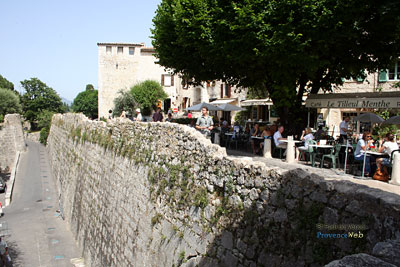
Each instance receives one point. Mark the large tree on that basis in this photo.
(39, 97)
(9, 103)
(287, 47)
(147, 94)
(87, 102)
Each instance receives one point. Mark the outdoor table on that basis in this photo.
(294, 141)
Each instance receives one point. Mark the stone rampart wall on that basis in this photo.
(11, 140)
(160, 194)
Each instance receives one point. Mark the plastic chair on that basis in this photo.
(311, 150)
(334, 156)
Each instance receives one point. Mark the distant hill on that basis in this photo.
(66, 101)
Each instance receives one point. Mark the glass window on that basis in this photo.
(131, 50)
(108, 49)
(167, 80)
(120, 50)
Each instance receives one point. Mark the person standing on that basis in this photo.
(157, 116)
(205, 123)
(344, 129)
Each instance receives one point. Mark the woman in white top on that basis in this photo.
(363, 145)
(306, 136)
(387, 147)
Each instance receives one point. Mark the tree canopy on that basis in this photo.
(6, 84)
(147, 94)
(39, 97)
(9, 102)
(87, 102)
(124, 102)
(287, 47)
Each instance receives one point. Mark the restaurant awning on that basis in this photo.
(256, 102)
(355, 100)
(222, 101)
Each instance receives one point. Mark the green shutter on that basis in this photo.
(382, 76)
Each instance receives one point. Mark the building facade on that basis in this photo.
(357, 96)
(122, 65)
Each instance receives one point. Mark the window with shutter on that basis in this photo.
(172, 80)
(382, 76)
(222, 90)
(229, 91)
(162, 79)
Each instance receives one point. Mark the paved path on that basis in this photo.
(38, 236)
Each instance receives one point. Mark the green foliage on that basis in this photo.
(288, 47)
(243, 115)
(4, 83)
(156, 219)
(87, 103)
(44, 123)
(38, 97)
(1, 119)
(147, 94)
(124, 102)
(89, 87)
(9, 102)
(44, 133)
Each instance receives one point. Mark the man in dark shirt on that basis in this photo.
(158, 116)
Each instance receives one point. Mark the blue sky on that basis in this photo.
(56, 41)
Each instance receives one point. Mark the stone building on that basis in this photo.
(122, 65)
(357, 96)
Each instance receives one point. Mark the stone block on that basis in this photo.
(361, 259)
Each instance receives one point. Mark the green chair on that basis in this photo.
(311, 150)
(334, 156)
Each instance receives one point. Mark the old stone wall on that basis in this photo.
(160, 194)
(11, 140)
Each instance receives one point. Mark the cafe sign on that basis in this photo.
(393, 102)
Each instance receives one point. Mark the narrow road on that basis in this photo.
(37, 235)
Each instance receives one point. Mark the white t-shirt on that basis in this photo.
(359, 150)
(345, 125)
(309, 136)
(389, 147)
(277, 135)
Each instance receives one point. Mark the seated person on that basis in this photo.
(267, 134)
(278, 139)
(363, 145)
(236, 128)
(387, 147)
(320, 133)
(169, 117)
(305, 136)
(255, 142)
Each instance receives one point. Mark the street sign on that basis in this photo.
(175, 110)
